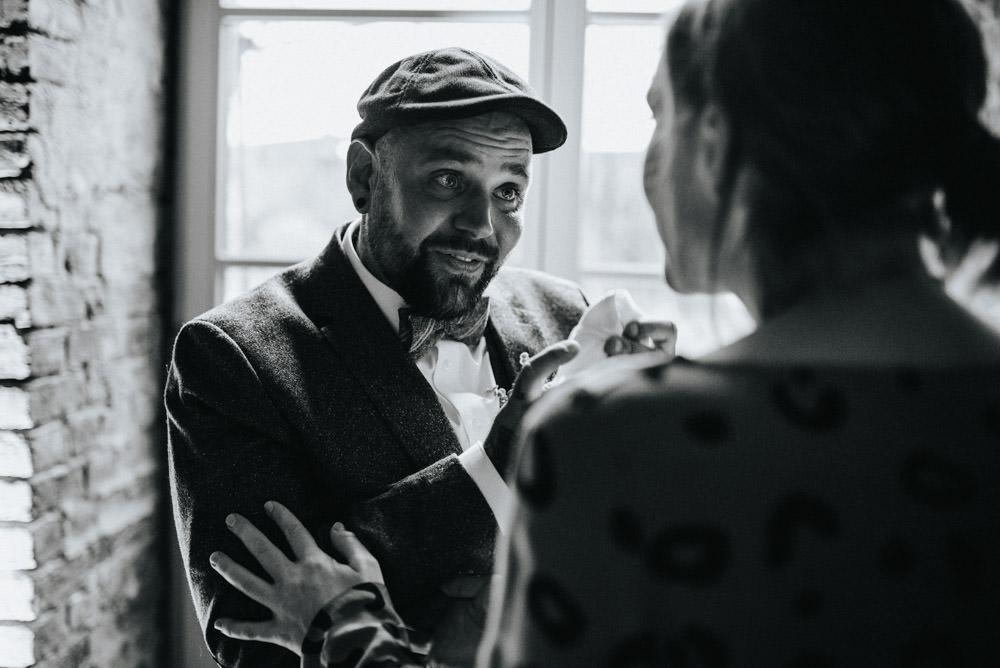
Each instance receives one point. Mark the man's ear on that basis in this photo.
(360, 167)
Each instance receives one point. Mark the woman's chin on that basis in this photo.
(682, 282)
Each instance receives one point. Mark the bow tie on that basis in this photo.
(419, 333)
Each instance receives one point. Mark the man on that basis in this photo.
(325, 388)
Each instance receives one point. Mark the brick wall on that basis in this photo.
(81, 128)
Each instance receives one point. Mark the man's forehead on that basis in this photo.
(496, 131)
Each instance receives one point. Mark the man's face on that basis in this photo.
(446, 209)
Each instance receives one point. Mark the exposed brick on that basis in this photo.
(125, 510)
(80, 528)
(52, 60)
(19, 645)
(55, 302)
(13, 106)
(48, 351)
(14, 305)
(143, 337)
(49, 445)
(13, 258)
(88, 429)
(15, 357)
(15, 501)
(81, 610)
(51, 631)
(17, 594)
(47, 532)
(86, 344)
(14, 156)
(18, 554)
(72, 651)
(13, 11)
(13, 204)
(15, 409)
(116, 471)
(60, 18)
(14, 56)
(43, 259)
(82, 254)
(131, 378)
(15, 456)
(54, 397)
(58, 485)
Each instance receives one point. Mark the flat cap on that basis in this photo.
(451, 83)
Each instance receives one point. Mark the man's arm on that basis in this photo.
(229, 451)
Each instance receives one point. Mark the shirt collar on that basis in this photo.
(388, 300)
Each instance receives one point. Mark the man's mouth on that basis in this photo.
(462, 257)
(461, 262)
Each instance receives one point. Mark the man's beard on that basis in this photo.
(428, 290)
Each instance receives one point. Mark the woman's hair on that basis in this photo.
(853, 113)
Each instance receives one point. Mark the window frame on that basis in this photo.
(556, 56)
(550, 241)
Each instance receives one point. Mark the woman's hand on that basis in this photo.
(301, 587)
(644, 336)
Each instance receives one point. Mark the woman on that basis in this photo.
(825, 491)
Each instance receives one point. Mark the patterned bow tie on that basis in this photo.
(419, 333)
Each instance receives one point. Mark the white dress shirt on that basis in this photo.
(462, 378)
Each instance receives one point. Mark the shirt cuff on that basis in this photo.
(498, 496)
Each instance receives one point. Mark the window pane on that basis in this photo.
(400, 5)
(292, 87)
(237, 280)
(616, 222)
(704, 323)
(633, 5)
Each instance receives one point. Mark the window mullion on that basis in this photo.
(198, 111)
(559, 228)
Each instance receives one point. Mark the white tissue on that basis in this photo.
(602, 320)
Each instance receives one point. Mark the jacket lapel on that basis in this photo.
(334, 298)
(512, 330)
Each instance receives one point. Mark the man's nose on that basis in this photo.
(475, 216)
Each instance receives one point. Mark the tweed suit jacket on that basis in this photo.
(300, 391)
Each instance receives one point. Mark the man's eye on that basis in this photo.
(508, 194)
(446, 180)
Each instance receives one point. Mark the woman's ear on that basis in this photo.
(712, 136)
(360, 167)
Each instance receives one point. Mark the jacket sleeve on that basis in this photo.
(425, 530)
(229, 450)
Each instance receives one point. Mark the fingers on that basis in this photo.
(355, 553)
(240, 577)
(643, 337)
(298, 536)
(262, 549)
(659, 331)
(541, 366)
(260, 631)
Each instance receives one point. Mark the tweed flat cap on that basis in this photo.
(453, 83)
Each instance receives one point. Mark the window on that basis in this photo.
(269, 94)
